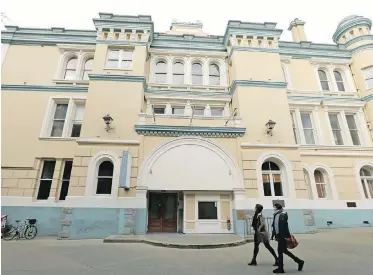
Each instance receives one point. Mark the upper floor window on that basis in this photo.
(161, 72)
(336, 128)
(353, 129)
(339, 81)
(64, 119)
(197, 74)
(366, 176)
(304, 130)
(178, 73)
(70, 69)
(119, 59)
(308, 128)
(214, 74)
(324, 82)
(294, 125)
(271, 174)
(87, 68)
(105, 178)
(368, 75)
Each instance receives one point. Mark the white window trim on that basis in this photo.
(286, 71)
(207, 199)
(60, 180)
(287, 179)
(333, 88)
(317, 132)
(331, 189)
(310, 187)
(49, 114)
(365, 79)
(358, 167)
(91, 183)
(39, 179)
(65, 56)
(120, 59)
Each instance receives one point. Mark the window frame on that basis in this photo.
(324, 184)
(65, 69)
(40, 179)
(271, 174)
(314, 134)
(326, 72)
(364, 183)
(296, 112)
(340, 124)
(369, 78)
(120, 59)
(62, 180)
(84, 70)
(97, 177)
(50, 112)
(295, 127)
(217, 203)
(358, 128)
(199, 75)
(343, 81)
(166, 73)
(177, 74)
(211, 75)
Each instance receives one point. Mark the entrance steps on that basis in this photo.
(183, 241)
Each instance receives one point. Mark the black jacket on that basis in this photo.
(283, 226)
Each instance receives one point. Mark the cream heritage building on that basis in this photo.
(123, 130)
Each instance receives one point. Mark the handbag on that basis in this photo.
(291, 242)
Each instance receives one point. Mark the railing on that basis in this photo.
(249, 231)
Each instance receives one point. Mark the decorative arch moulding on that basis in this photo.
(177, 131)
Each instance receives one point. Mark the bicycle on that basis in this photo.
(27, 229)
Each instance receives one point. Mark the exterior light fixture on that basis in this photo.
(270, 125)
(107, 119)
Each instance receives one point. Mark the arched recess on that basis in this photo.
(331, 187)
(91, 183)
(358, 166)
(312, 192)
(189, 163)
(287, 178)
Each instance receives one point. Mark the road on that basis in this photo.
(342, 252)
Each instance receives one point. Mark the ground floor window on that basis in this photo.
(46, 179)
(207, 210)
(68, 164)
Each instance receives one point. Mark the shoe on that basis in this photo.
(279, 270)
(253, 262)
(276, 263)
(300, 265)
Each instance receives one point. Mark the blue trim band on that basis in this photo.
(356, 22)
(310, 98)
(41, 88)
(359, 38)
(368, 98)
(252, 83)
(112, 77)
(363, 47)
(175, 131)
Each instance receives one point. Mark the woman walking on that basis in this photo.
(260, 235)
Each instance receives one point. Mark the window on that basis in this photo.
(159, 110)
(198, 111)
(339, 81)
(119, 59)
(161, 72)
(368, 76)
(214, 74)
(207, 210)
(217, 111)
(323, 80)
(70, 70)
(272, 184)
(353, 129)
(307, 128)
(77, 121)
(68, 164)
(87, 69)
(336, 129)
(197, 75)
(66, 118)
(178, 73)
(295, 130)
(178, 110)
(46, 179)
(366, 175)
(320, 184)
(105, 178)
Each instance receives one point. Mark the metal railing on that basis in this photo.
(249, 231)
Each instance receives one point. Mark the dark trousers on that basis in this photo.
(266, 244)
(282, 249)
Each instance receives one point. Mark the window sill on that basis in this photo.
(187, 86)
(72, 82)
(334, 147)
(118, 69)
(188, 117)
(59, 138)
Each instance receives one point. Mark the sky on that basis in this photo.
(321, 16)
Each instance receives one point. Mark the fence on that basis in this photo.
(249, 231)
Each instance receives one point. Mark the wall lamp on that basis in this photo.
(108, 119)
(270, 125)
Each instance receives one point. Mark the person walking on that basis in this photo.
(280, 230)
(260, 235)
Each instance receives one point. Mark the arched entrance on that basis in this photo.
(196, 177)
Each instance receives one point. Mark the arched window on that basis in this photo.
(320, 184)
(87, 68)
(178, 73)
(271, 174)
(307, 180)
(214, 74)
(339, 81)
(366, 176)
(105, 178)
(323, 80)
(197, 74)
(161, 72)
(70, 70)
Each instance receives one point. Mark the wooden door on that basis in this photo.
(162, 212)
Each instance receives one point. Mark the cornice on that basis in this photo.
(44, 88)
(356, 22)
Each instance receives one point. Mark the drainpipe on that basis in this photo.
(365, 115)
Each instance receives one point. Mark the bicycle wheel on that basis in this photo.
(31, 232)
(10, 234)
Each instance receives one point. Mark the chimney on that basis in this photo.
(297, 30)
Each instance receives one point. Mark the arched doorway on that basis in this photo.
(196, 177)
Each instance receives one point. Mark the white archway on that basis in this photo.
(358, 167)
(331, 187)
(189, 163)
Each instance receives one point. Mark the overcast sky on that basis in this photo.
(321, 16)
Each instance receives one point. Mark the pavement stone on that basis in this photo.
(340, 252)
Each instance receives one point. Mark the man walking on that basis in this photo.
(280, 230)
